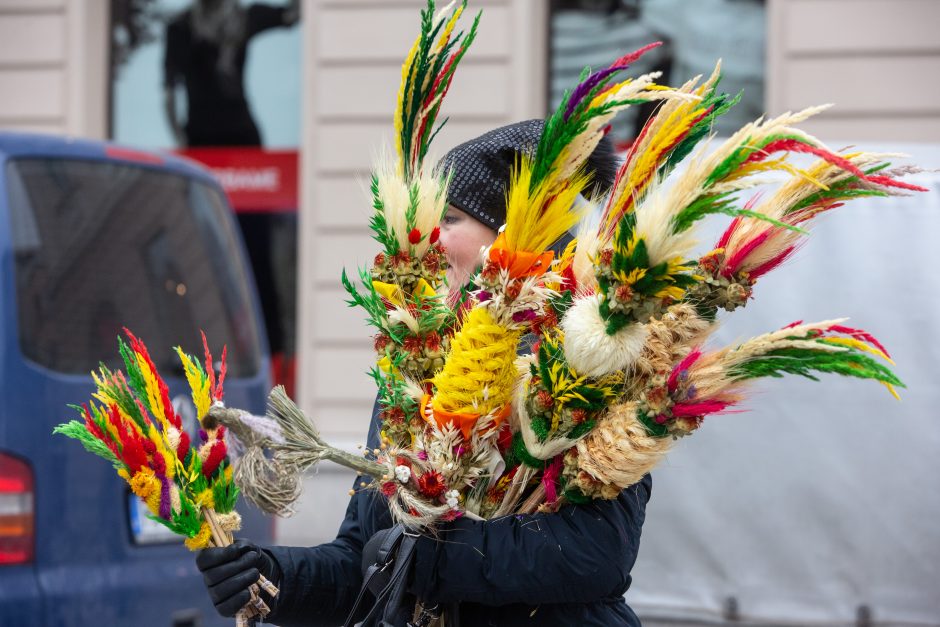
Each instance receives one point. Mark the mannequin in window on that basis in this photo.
(206, 51)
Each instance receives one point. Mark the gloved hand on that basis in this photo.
(229, 571)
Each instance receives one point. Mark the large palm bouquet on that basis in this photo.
(620, 365)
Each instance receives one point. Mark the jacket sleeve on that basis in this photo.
(318, 585)
(580, 554)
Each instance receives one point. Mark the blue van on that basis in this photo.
(94, 237)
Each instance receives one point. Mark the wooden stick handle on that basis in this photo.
(219, 537)
(256, 606)
(535, 499)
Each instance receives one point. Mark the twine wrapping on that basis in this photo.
(221, 526)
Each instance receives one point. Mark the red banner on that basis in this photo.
(254, 179)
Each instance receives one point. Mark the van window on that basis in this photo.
(100, 245)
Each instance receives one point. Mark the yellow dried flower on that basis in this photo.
(200, 540)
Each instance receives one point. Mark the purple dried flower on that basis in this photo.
(589, 83)
(165, 512)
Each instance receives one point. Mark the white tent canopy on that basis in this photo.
(822, 498)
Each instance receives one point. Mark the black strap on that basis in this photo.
(387, 579)
(399, 582)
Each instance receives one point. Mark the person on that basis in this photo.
(571, 567)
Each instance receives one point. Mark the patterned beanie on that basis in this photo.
(481, 168)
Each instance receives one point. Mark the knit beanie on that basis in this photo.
(480, 169)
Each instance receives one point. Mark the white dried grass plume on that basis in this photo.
(588, 246)
(395, 195)
(401, 315)
(796, 190)
(654, 217)
(412, 388)
(619, 451)
(575, 154)
(589, 350)
(524, 365)
(759, 346)
(663, 117)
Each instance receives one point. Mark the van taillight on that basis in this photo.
(17, 524)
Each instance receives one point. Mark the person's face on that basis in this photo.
(463, 237)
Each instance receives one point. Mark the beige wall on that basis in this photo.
(877, 60)
(53, 60)
(354, 49)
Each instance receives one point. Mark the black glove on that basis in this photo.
(229, 571)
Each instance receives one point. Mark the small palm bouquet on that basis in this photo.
(187, 486)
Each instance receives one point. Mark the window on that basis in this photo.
(694, 35)
(101, 245)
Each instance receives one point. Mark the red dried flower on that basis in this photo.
(657, 396)
(159, 464)
(435, 235)
(453, 514)
(183, 448)
(548, 320)
(606, 256)
(544, 400)
(215, 457)
(513, 290)
(490, 271)
(401, 258)
(380, 342)
(389, 488)
(504, 438)
(432, 342)
(413, 344)
(710, 263)
(431, 262)
(578, 416)
(496, 493)
(623, 293)
(414, 237)
(379, 260)
(431, 484)
(394, 415)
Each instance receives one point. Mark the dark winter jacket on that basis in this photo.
(567, 568)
